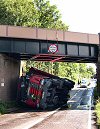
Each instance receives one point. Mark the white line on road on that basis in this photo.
(74, 95)
(31, 123)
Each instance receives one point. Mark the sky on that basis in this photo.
(81, 15)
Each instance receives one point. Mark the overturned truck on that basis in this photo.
(39, 89)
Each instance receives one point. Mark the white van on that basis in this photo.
(84, 83)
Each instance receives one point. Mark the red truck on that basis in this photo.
(39, 89)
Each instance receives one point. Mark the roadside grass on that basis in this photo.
(97, 108)
(97, 105)
(7, 105)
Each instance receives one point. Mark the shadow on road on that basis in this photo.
(26, 109)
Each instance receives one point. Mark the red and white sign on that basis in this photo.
(53, 48)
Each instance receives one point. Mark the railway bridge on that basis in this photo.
(23, 43)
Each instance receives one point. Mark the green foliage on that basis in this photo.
(18, 13)
(73, 71)
(98, 112)
(31, 13)
(90, 72)
(97, 105)
(68, 70)
(56, 68)
(7, 105)
(2, 108)
(49, 16)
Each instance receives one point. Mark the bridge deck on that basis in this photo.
(24, 43)
(47, 34)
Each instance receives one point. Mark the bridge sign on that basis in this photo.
(53, 48)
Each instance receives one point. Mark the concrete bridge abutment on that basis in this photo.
(9, 74)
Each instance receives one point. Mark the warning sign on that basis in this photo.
(53, 48)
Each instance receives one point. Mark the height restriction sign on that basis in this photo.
(53, 48)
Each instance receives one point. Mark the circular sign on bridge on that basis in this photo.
(53, 48)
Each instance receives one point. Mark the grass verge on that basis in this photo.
(7, 105)
(97, 110)
(97, 106)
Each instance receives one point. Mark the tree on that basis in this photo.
(18, 13)
(68, 70)
(90, 72)
(49, 16)
(31, 13)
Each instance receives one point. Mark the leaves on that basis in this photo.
(18, 12)
(30, 13)
(73, 71)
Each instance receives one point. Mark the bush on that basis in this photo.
(2, 107)
(6, 105)
(97, 105)
(98, 112)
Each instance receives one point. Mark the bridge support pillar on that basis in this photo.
(9, 74)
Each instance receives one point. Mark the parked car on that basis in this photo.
(84, 83)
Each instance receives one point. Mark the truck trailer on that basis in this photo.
(42, 90)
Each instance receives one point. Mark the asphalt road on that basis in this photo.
(78, 116)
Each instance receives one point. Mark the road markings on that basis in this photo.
(34, 122)
(74, 95)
